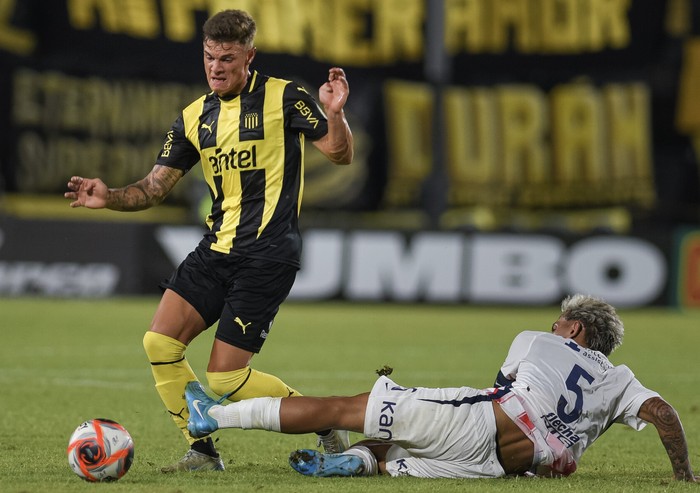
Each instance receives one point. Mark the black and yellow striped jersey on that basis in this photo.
(251, 147)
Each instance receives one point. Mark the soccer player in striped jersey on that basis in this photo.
(555, 394)
(248, 133)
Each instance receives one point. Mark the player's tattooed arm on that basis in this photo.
(665, 418)
(145, 193)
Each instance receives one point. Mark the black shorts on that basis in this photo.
(243, 293)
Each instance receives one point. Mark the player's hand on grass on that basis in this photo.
(87, 192)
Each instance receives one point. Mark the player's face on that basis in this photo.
(226, 66)
(564, 328)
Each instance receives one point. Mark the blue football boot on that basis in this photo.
(314, 463)
(200, 423)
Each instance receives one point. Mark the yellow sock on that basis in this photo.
(171, 372)
(247, 383)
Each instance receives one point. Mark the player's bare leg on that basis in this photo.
(286, 415)
(292, 415)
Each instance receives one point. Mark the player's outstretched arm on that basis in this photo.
(147, 192)
(665, 418)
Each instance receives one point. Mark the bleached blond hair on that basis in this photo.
(604, 329)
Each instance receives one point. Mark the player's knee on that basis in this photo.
(150, 344)
(161, 348)
(224, 383)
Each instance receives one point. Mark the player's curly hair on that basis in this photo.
(604, 329)
(230, 26)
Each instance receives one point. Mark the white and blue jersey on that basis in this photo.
(562, 396)
(572, 393)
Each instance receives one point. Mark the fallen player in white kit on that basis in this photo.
(555, 395)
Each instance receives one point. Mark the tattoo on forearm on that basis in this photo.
(131, 198)
(147, 192)
(672, 436)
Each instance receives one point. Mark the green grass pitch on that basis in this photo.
(65, 361)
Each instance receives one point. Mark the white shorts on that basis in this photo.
(437, 433)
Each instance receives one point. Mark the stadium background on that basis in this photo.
(546, 146)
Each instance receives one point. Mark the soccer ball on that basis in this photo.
(100, 450)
